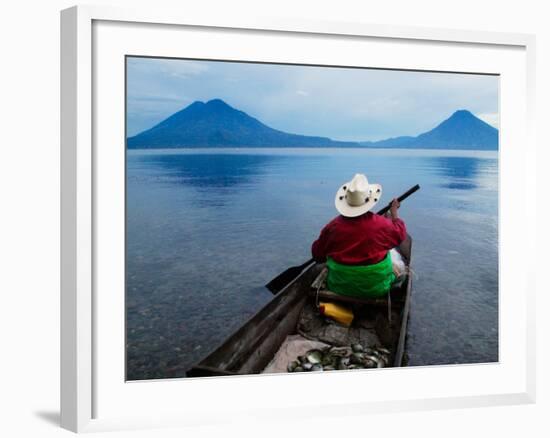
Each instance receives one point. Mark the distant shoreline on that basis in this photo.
(210, 149)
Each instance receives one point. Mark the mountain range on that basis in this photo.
(217, 124)
(462, 130)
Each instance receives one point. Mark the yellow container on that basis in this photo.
(339, 313)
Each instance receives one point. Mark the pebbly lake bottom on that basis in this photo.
(207, 229)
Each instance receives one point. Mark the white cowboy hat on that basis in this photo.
(357, 196)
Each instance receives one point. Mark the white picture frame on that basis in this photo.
(92, 395)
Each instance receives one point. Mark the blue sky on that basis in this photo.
(340, 103)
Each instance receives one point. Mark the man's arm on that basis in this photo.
(397, 231)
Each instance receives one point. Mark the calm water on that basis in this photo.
(207, 229)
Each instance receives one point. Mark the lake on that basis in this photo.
(208, 228)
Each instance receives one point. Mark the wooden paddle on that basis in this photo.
(281, 280)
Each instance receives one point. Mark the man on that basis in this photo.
(356, 244)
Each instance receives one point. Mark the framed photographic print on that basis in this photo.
(253, 210)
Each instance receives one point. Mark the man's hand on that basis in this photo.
(395, 204)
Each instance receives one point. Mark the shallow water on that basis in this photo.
(206, 229)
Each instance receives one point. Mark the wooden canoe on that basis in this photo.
(250, 349)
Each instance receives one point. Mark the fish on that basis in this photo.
(314, 356)
(340, 351)
(379, 363)
(357, 358)
(332, 358)
(292, 366)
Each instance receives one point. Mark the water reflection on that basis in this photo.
(194, 255)
(460, 185)
(206, 171)
(460, 172)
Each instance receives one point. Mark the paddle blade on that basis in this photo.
(281, 280)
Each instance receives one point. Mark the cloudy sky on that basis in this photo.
(340, 103)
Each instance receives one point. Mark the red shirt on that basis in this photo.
(362, 240)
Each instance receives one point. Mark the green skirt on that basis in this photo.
(368, 281)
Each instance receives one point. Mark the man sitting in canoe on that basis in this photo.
(356, 244)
